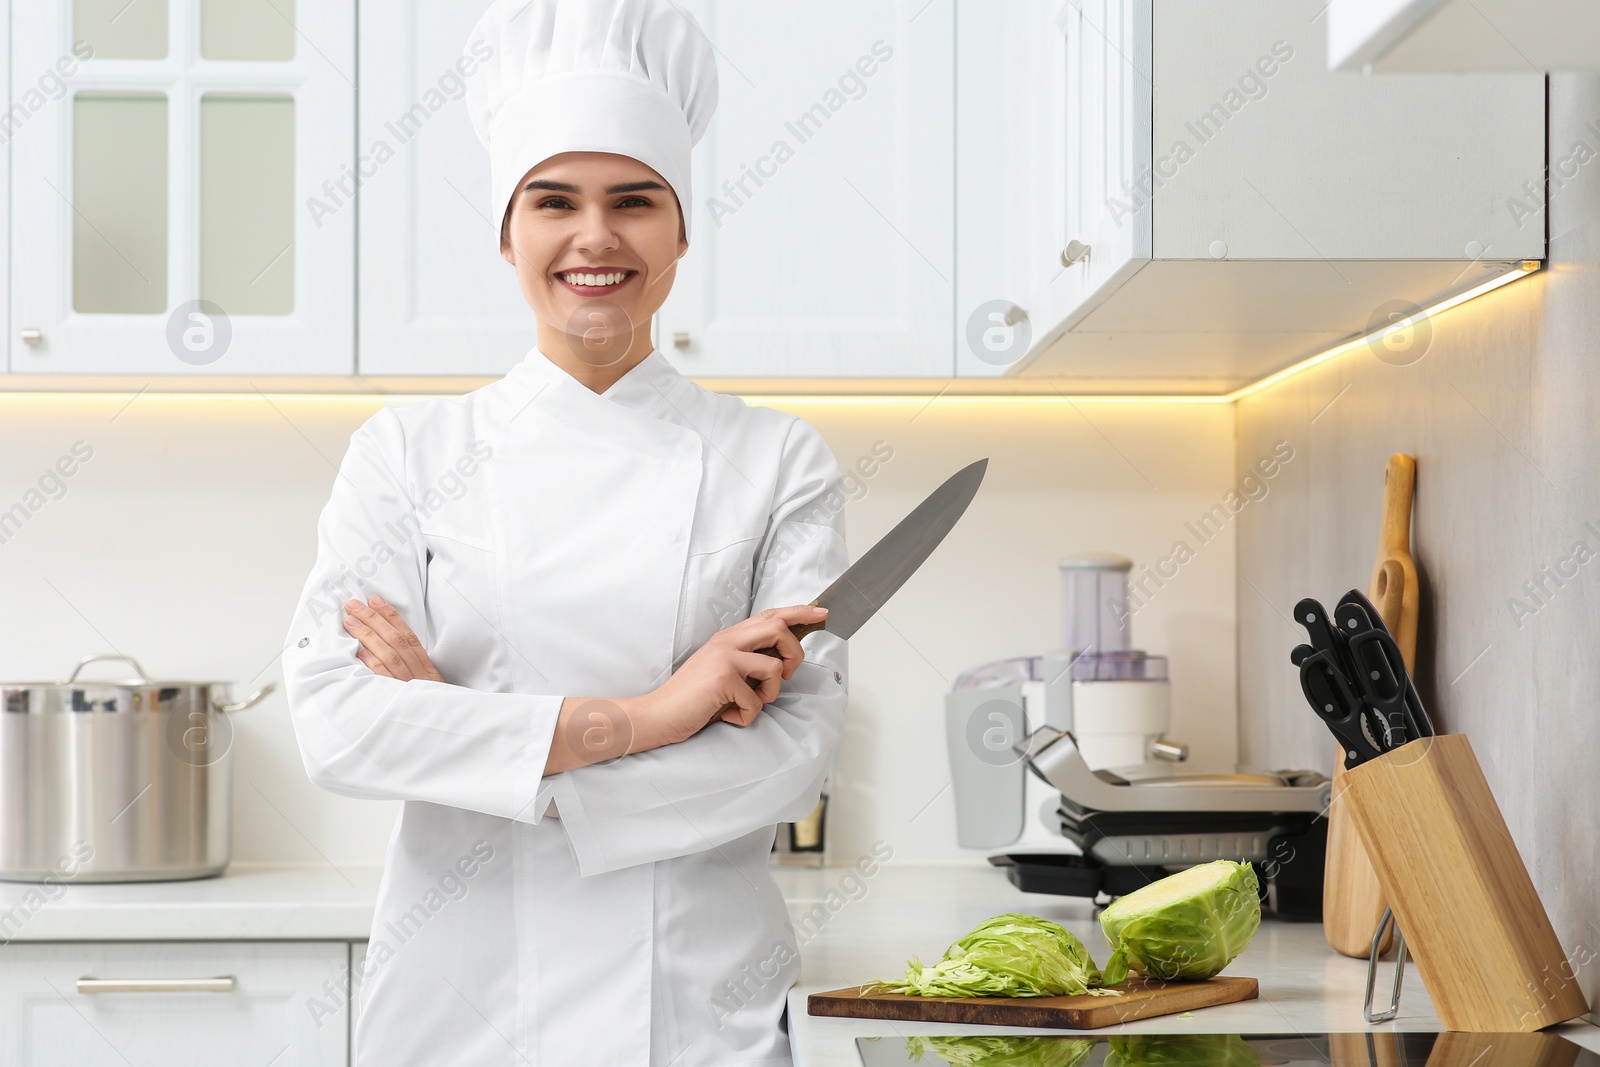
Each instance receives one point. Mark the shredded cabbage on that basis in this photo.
(1010, 955)
(1185, 927)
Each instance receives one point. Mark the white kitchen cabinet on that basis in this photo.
(435, 296)
(261, 1011)
(1463, 35)
(1170, 195)
(822, 195)
(176, 198)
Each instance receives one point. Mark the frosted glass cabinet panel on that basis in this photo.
(119, 259)
(246, 29)
(170, 204)
(118, 29)
(247, 203)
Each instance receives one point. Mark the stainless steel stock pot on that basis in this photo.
(127, 780)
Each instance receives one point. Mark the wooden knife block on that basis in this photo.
(1459, 889)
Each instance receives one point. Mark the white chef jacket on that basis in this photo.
(546, 541)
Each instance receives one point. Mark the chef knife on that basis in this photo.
(869, 582)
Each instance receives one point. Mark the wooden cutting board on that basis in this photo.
(1140, 999)
(1352, 901)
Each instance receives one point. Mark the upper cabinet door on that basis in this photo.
(822, 241)
(1055, 124)
(435, 296)
(179, 199)
(1180, 197)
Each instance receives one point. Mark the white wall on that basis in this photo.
(186, 537)
(1500, 410)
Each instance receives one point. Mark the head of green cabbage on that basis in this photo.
(1187, 926)
(1010, 955)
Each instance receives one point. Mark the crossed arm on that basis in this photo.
(715, 682)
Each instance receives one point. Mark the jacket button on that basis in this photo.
(837, 677)
(304, 641)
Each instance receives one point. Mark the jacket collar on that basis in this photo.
(646, 387)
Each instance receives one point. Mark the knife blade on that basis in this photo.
(868, 583)
(857, 594)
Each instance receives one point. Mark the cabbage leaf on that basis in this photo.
(1010, 955)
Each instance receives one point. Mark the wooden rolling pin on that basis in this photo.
(1352, 901)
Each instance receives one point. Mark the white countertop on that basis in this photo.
(867, 928)
(1305, 986)
(247, 902)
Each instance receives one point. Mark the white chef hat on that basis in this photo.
(633, 77)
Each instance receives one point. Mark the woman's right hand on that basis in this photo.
(714, 676)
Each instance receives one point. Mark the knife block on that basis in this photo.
(1459, 889)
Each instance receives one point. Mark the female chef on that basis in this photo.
(532, 605)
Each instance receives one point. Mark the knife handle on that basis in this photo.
(1381, 677)
(799, 629)
(1336, 704)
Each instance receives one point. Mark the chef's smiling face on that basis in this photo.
(595, 238)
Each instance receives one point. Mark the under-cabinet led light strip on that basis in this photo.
(1522, 270)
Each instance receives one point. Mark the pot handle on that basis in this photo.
(253, 698)
(144, 679)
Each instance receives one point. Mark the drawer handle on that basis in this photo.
(156, 985)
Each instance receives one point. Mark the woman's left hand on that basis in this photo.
(388, 645)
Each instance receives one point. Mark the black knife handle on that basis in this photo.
(1381, 677)
(1336, 704)
(1319, 627)
(1353, 620)
(1420, 724)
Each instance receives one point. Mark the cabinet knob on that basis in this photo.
(680, 339)
(1075, 251)
(1014, 315)
(33, 336)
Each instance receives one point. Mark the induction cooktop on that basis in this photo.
(1358, 1049)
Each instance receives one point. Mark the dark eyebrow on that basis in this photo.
(564, 187)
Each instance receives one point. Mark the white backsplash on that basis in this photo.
(185, 537)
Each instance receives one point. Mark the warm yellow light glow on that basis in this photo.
(1527, 267)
